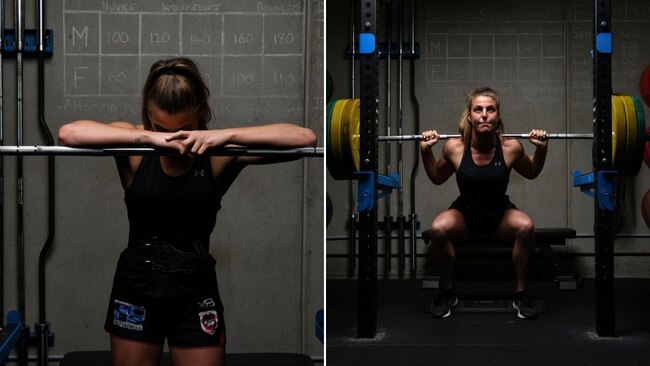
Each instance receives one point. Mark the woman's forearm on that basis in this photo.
(281, 135)
(537, 160)
(429, 163)
(88, 133)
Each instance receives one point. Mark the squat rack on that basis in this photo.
(369, 90)
(602, 148)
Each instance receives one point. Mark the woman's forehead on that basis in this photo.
(483, 100)
(171, 120)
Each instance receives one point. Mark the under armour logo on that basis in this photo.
(497, 163)
(207, 303)
(199, 173)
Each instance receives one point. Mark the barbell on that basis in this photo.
(344, 124)
(550, 136)
(127, 151)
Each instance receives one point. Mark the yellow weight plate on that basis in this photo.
(618, 132)
(355, 127)
(335, 143)
(640, 135)
(346, 149)
(331, 162)
(631, 134)
(336, 168)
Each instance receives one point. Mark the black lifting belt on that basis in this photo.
(166, 258)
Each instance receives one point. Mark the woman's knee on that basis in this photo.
(527, 227)
(522, 224)
(441, 230)
(448, 227)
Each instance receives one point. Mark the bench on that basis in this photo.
(103, 358)
(544, 238)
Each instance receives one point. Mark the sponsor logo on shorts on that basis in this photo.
(128, 316)
(207, 303)
(209, 321)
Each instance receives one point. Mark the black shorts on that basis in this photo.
(192, 320)
(483, 219)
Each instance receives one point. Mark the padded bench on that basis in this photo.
(103, 358)
(544, 238)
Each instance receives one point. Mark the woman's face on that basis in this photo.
(162, 121)
(484, 114)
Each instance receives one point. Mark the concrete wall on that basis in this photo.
(536, 54)
(264, 62)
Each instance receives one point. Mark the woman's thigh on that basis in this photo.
(132, 353)
(212, 356)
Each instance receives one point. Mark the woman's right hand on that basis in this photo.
(198, 141)
(429, 138)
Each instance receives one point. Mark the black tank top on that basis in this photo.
(175, 209)
(482, 185)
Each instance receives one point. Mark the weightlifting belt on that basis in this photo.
(164, 257)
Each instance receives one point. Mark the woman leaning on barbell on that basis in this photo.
(166, 271)
(482, 160)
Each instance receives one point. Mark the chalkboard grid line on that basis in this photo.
(187, 54)
(223, 47)
(294, 13)
(493, 56)
(275, 96)
(100, 54)
(263, 49)
(101, 47)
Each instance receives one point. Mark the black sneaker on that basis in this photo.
(441, 306)
(523, 303)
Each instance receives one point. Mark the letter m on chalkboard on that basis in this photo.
(83, 36)
(435, 48)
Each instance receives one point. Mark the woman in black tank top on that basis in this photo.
(165, 285)
(482, 161)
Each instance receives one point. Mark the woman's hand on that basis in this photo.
(429, 138)
(198, 141)
(538, 138)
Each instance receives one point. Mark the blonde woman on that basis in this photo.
(482, 160)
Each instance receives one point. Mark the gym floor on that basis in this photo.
(563, 335)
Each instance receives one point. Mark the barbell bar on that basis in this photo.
(344, 132)
(128, 151)
(571, 136)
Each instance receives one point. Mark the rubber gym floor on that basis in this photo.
(564, 334)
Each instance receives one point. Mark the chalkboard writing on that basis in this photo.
(495, 52)
(245, 49)
(536, 54)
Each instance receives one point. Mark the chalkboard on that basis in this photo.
(252, 54)
(263, 63)
(536, 54)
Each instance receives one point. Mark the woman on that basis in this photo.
(165, 284)
(482, 160)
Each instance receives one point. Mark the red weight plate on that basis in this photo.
(645, 208)
(646, 154)
(644, 85)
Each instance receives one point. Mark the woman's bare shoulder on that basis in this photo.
(511, 144)
(454, 143)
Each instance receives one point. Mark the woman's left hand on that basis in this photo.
(538, 138)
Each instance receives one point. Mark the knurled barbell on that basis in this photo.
(550, 136)
(127, 151)
(343, 126)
